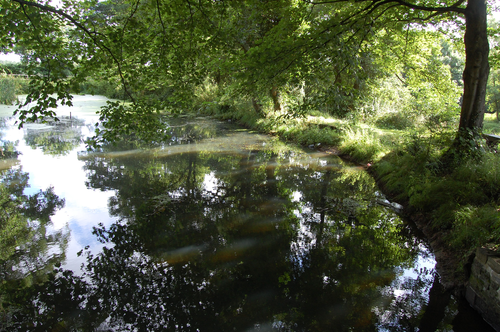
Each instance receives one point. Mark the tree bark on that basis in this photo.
(275, 97)
(257, 106)
(477, 68)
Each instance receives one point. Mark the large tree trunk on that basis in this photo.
(476, 66)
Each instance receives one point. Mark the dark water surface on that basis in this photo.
(218, 229)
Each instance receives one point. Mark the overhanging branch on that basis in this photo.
(97, 42)
(377, 3)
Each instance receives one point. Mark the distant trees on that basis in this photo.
(159, 51)
(12, 81)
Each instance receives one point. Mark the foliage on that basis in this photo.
(475, 226)
(270, 65)
(102, 87)
(8, 150)
(291, 56)
(120, 121)
(7, 90)
(414, 87)
(463, 202)
(15, 68)
(388, 104)
(361, 145)
(493, 97)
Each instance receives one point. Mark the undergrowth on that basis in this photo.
(463, 203)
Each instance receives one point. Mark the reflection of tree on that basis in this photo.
(177, 132)
(236, 254)
(7, 148)
(234, 241)
(204, 257)
(59, 138)
(28, 252)
(346, 250)
(185, 133)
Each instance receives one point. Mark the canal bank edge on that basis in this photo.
(453, 277)
(478, 281)
(483, 287)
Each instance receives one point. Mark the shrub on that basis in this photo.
(7, 90)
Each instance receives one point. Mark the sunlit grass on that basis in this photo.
(362, 144)
(491, 124)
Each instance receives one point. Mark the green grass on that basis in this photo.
(463, 203)
(491, 125)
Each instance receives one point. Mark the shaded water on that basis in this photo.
(218, 229)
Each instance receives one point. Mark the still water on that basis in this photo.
(216, 229)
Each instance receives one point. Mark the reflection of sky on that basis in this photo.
(306, 240)
(84, 208)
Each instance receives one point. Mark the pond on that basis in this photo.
(215, 229)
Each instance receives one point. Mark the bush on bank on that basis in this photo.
(10, 87)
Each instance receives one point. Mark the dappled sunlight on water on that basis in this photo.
(216, 228)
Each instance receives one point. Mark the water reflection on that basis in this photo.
(29, 249)
(220, 229)
(8, 151)
(55, 137)
(257, 238)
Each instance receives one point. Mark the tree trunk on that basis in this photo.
(257, 106)
(275, 97)
(477, 68)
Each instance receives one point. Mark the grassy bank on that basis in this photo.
(364, 143)
(462, 205)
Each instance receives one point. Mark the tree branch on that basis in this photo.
(453, 8)
(376, 3)
(80, 26)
